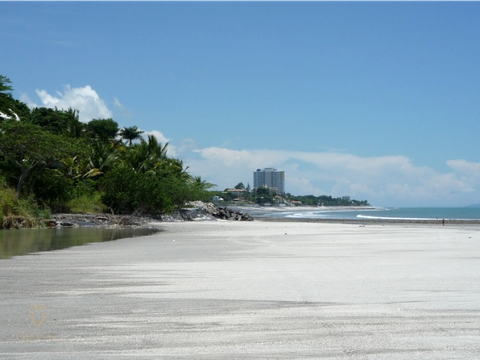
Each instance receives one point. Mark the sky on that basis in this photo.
(379, 101)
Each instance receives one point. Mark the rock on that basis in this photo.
(51, 223)
(225, 213)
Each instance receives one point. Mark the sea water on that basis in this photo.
(427, 213)
(27, 241)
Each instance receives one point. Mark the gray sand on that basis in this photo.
(250, 290)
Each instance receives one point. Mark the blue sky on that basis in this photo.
(375, 100)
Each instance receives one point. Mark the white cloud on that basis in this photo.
(26, 99)
(84, 99)
(382, 180)
(187, 145)
(466, 168)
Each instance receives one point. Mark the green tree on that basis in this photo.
(240, 186)
(103, 129)
(200, 188)
(101, 157)
(53, 120)
(263, 196)
(75, 128)
(51, 187)
(126, 191)
(130, 134)
(28, 147)
(146, 156)
(5, 87)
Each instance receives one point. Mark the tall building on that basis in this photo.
(270, 178)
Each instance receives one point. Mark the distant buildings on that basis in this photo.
(271, 178)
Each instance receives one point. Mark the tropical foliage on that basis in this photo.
(52, 159)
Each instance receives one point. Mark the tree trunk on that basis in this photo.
(22, 178)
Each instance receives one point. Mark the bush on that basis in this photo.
(87, 204)
(85, 199)
(52, 188)
(8, 199)
(16, 213)
(127, 192)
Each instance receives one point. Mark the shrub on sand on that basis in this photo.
(87, 204)
(19, 213)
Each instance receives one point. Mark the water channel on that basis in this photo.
(22, 242)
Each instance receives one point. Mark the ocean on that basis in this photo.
(426, 213)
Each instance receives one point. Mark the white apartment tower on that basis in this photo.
(270, 178)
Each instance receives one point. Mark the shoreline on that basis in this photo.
(129, 221)
(203, 213)
(270, 214)
(371, 221)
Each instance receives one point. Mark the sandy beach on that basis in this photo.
(250, 290)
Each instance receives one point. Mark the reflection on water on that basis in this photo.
(21, 242)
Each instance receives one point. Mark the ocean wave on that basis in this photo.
(380, 213)
(392, 218)
(309, 214)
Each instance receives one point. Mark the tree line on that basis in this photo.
(53, 159)
(264, 195)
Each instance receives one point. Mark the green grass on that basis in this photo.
(87, 204)
(19, 213)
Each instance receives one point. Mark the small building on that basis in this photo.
(236, 192)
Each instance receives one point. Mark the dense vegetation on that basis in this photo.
(50, 161)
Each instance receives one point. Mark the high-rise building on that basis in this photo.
(270, 178)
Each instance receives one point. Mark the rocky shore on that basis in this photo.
(196, 211)
(105, 220)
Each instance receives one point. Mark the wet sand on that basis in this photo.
(250, 290)
(433, 222)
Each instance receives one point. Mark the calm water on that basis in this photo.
(21, 242)
(449, 213)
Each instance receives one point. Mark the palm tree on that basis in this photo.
(199, 184)
(102, 157)
(146, 156)
(130, 133)
(75, 128)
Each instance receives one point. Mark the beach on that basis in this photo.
(250, 290)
